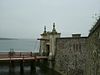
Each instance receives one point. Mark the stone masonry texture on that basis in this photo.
(79, 55)
(71, 55)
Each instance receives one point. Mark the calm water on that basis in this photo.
(19, 45)
(22, 45)
(4, 70)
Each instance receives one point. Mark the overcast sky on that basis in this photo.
(26, 18)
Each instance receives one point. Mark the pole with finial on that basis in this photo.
(54, 30)
(44, 29)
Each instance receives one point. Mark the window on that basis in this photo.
(77, 47)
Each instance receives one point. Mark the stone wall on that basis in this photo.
(71, 54)
(93, 64)
(79, 55)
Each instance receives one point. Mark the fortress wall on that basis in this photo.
(71, 54)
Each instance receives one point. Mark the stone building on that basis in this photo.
(79, 55)
(47, 41)
(71, 54)
(74, 55)
(93, 45)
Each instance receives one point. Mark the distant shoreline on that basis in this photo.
(8, 39)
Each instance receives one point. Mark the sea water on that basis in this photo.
(22, 45)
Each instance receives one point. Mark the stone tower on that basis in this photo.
(48, 42)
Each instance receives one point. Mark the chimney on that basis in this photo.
(76, 35)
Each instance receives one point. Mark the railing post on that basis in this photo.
(20, 54)
(32, 66)
(11, 67)
(21, 67)
(31, 54)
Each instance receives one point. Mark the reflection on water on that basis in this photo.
(5, 70)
